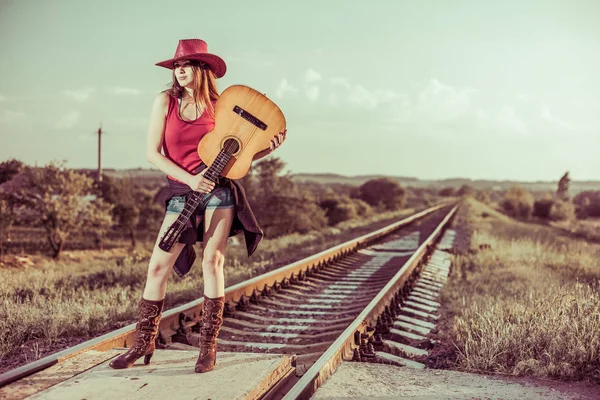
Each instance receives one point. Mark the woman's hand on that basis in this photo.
(201, 184)
(277, 140)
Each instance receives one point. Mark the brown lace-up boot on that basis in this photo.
(149, 315)
(212, 318)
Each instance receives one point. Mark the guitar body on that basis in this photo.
(245, 123)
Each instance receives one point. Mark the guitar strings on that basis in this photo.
(219, 162)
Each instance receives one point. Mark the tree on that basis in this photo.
(10, 168)
(7, 218)
(126, 198)
(465, 190)
(277, 202)
(563, 187)
(386, 193)
(100, 220)
(127, 216)
(270, 177)
(60, 200)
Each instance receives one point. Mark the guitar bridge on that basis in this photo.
(250, 118)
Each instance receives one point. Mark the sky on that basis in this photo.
(426, 89)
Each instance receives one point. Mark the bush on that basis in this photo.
(363, 209)
(465, 190)
(588, 203)
(342, 212)
(483, 197)
(343, 208)
(542, 208)
(447, 191)
(518, 202)
(562, 210)
(386, 193)
(290, 213)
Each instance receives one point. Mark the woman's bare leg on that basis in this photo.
(217, 224)
(161, 263)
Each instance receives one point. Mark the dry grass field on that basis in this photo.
(47, 305)
(523, 301)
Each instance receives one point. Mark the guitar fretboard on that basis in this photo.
(192, 202)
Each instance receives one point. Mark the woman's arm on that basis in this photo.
(156, 130)
(261, 154)
(275, 143)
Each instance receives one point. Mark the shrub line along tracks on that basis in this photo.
(307, 304)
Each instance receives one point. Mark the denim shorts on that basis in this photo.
(220, 197)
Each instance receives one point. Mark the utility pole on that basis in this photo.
(99, 177)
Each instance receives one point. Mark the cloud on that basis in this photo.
(254, 60)
(434, 108)
(551, 118)
(342, 93)
(437, 109)
(311, 76)
(285, 87)
(542, 119)
(123, 91)
(444, 102)
(508, 118)
(312, 93)
(9, 115)
(2, 98)
(440, 109)
(359, 96)
(334, 99)
(337, 91)
(312, 90)
(68, 120)
(338, 81)
(80, 95)
(131, 122)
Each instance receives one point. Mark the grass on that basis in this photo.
(588, 229)
(54, 304)
(527, 305)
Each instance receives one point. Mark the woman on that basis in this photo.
(180, 117)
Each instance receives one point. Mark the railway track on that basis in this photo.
(357, 301)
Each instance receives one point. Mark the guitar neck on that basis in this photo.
(192, 202)
(214, 171)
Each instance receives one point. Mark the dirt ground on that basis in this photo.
(378, 381)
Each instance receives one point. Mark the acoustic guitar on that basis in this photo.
(245, 123)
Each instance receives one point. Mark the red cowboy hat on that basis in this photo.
(196, 49)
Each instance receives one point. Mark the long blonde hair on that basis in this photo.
(205, 87)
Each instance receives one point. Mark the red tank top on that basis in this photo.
(181, 138)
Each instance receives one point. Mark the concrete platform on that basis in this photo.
(355, 380)
(169, 375)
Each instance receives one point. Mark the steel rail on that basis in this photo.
(343, 347)
(171, 319)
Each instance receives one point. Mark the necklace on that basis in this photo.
(197, 111)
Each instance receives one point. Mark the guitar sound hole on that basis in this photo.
(231, 146)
